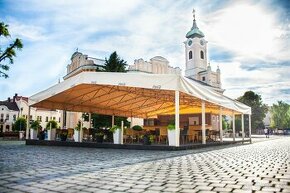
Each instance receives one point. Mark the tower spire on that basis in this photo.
(193, 14)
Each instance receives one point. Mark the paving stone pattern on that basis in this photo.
(259, 167)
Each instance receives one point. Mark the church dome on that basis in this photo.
(194, 32)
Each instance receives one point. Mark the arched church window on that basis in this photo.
(201, 55)
(190, 55)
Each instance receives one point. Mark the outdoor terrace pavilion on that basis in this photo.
(157, 97)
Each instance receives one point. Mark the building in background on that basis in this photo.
(156, 65)
(17, 106)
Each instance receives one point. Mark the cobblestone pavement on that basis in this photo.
(259, 167)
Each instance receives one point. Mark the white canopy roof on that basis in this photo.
(133, 94)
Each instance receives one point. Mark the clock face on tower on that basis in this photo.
(189, 42)
(202, 42)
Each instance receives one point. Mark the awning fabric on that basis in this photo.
(133, 95)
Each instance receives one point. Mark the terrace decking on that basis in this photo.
(131, 146)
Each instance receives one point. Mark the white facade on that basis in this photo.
(20, 109)
(156, 65)
(197, 66)
(7, 118)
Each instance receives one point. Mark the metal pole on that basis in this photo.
(203, 122)
(221, 125)
(250, 129)
(113, 120)
(177, 129)
(28, 123)
(243, 127)
(90, 120)
(234, 127)
(122, 131)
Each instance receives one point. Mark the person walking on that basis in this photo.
(266, 132)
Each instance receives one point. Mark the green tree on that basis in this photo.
(259, 109)
(20, 124)
(115, 64)
(280, 115)
(8, 53)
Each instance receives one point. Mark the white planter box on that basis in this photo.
(21, 135)
(76, 136)
(33, 134)
(117, 136)
(171, 137)
(51, 134)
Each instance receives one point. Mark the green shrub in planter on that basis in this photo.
(137, 128)
(114, 128)
(35, 125)
(53, 124)
(171, 127)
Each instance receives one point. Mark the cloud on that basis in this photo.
(249, 40)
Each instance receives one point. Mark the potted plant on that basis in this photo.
(171, 133)
(51, 129)
(77, 132)
(99, 136)
(117, 134)
(34, 129)
(137, 128)
(63, 134)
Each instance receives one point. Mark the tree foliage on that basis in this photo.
(20, 124)
(280, 115)
(259, 109)
(115, 63)
(8, 53)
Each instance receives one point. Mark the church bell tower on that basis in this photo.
(195, 51)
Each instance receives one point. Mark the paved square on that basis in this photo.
(259, 167)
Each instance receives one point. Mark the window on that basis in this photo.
(40, 118)
(190, 55)
(30, 117)
(7, 117)
(203, 78)
(2, 116)
(59, 119)
(14, 117)
(201, 55)
(54, 118)
(46, 119)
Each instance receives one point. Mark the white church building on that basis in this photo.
(196, 65)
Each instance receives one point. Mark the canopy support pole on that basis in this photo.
(90, 120)
(221, 125)
(250, 129)
(81, 131)
(177, 129)
(234, 127)
(122, 132)
(243, 127)
(203, 122)
(113, 120)
(28, 123)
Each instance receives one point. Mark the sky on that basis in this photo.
(249, 39)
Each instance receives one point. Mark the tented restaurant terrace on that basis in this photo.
(159, 97)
